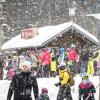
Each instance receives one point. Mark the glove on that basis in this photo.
(60, 78)
(58, 84)
(37, 99)
(90, 94)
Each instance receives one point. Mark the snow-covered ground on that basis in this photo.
(49, 83)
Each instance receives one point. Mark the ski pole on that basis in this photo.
(87, 97)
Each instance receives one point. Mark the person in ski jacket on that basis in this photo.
(22, 83)
(86, 89)
(45, 59)
(44, 94)
(72, 56)
(90, 66)
(64, 87)
(97, 61)
(53, 66)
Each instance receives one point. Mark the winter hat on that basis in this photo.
(68, 49)
(44, 90)
(84, 76)
(62, 66)
(26, 63)
(21, 57)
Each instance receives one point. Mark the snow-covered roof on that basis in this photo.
(97, 16)
(47, 34)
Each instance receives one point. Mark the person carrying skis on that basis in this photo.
(64, 86)
(22, 84)
(86, 89)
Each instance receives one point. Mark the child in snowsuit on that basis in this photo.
(64, 87)
(86, 89)
(44, 94)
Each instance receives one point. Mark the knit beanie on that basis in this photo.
(44, 90)
(26, 63)
(62, 66)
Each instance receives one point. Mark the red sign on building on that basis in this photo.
(28, 33)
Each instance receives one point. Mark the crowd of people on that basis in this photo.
(23, 82)
(45, 62)
(50, 62)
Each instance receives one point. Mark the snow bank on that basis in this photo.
(49, 83)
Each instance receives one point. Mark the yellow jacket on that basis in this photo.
(64, 76)
(53, 66)
(90, 67)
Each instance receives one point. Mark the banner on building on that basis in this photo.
(29, 33)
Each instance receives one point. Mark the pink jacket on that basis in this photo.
(10, 73)
(72, 55)
(45, 58)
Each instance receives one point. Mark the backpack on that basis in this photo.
(71, 80)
